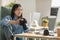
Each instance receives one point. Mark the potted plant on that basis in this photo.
(11, 4)
(45, 22)
(58, 23)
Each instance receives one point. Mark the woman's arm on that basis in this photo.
(14, 21)
(7, 21)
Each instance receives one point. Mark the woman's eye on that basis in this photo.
(20, 9)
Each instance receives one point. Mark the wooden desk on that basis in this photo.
(40, 27)
(31, 35)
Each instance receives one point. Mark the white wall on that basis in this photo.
(55, 3)
(43, 6)
(29, 6)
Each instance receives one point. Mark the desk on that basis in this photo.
(40, 27)
(31, 35)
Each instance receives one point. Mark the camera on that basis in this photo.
(23, 23)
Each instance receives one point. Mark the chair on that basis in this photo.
(7, 31)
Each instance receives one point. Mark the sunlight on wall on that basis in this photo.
(55, 3)
(6, 2)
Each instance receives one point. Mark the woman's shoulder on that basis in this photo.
(8, 17)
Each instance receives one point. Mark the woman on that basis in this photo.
(13, 22)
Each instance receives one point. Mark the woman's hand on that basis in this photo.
(15, 21)
(18, 21)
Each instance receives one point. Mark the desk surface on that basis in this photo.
(40, 27)
(31, 35)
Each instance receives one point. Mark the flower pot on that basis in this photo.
(45, 24)
(58, 32)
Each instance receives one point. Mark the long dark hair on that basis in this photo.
(15, 6)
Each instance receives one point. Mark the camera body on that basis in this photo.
(23, 23)
(46, 32)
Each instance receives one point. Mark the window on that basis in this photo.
(54, 11)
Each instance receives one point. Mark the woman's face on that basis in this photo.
(18, 11)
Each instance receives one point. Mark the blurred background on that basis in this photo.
(46, 8)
